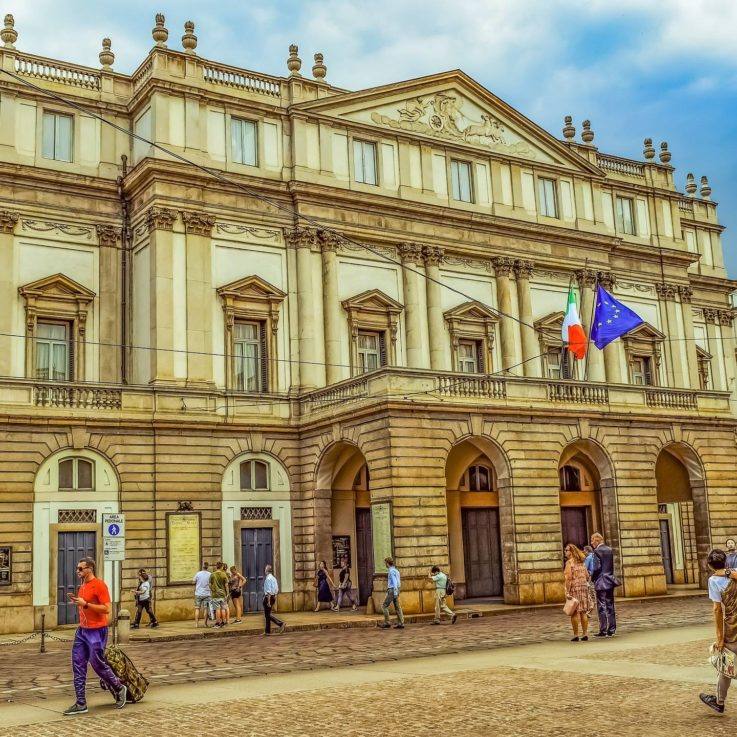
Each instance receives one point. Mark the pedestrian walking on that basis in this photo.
(441, 592)
(604, 582)
(393, 586)
(345, 587)
(219, 600)
(323, 586)
(93, 603)
(579, 598)
(731, 553)
(143, 601)
(271, 590)
(723, 594)
(235, 584)
(202, 593)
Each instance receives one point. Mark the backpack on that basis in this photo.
(450, 587)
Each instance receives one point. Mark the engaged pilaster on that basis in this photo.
(677, 372)
(331, 307)
(111, 338)
(8, 292)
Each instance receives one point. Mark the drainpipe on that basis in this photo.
(125, 240)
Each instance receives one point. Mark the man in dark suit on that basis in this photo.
(604, 582)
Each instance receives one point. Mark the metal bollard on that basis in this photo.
(43, 632)
(124, 626)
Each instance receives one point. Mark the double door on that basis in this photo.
(72, 547)
(482, 552)
(256, 553)
(574, 523)
(365, 554)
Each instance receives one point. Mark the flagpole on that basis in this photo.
(591, 323)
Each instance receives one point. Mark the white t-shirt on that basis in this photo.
(717, 584)
(144, 588)
(202, 583)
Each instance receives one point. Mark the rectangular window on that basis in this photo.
(244, 141)
(641, 367)
(625, 215)
(460, 180)
(469, 354)
(554, 364)
(364, 162)
(58, 133)
(53, 352)
(547, 197)
(369, 351)
(250, 357)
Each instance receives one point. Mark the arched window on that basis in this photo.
(76, 474)
(570, 478)
(254, 476)
(479, 478)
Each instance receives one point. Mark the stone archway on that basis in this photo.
(481, 541)
(683, 515)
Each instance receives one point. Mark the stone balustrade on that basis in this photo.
(76, 396)
(472, 386)
(621, 166)
(577, 392)
(227, 76)
(56, 71)
(671, 398)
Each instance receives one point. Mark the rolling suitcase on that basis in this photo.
(123, 667)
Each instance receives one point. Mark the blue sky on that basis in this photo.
(636, 68)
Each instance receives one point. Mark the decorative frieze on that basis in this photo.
(8, 220)
(198, 223)
(259, 233)
(160, 218)
(470, 263)
(107, 235)
(44, 226)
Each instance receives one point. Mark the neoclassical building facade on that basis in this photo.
(329, 326)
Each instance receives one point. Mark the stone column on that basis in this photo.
(109, 304)
(726, 320)
(438, 344)
(160, 222)
(331, 307)
(686, 294)
(411, 254)
(198, 228)
(503, 269)
(678, 372)
(9, 346)
(711, 318)
(530, 344)
(303, 239)
(612, 352)
(587, 281)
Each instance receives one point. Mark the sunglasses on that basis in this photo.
(82, 568)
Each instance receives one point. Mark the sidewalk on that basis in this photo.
(253, 624)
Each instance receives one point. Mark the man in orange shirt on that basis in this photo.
(93, 600)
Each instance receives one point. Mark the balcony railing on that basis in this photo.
(671, 398)
(621, 166)
(240, 79)
(339, 393)
(76, 396)
(56, 71)
(686, 205)
(577, 393)
(472, 386)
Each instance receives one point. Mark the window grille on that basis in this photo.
(77, 516)
(255, 512)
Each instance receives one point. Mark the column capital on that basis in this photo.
(523, 269)
(301, 237)
(711, 315)
(586, 278)
(160, 218)
(411, 253)
(666, 291)
(726, 317)
(8, 219)
(686, 294)
(434, 255)
(198, 223)
(328, 241)
(503, 265)
(606, 279)
(107, 235)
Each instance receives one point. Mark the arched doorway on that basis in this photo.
(682, 515)
(475, 519)
(343, 471)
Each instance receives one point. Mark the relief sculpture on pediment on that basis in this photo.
(441, 116)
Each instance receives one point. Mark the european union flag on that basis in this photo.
(612, 319)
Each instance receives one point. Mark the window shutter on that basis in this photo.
(565, 364)
(71, 347)
(382, 350)
(647, 364)
(480, 356)
(264, 357)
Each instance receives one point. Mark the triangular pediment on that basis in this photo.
(645, 332)
(702, 353)
(58, 286)
(250, 288)
(471, 310)
(451, 108)
(553, 321)
(373, 300)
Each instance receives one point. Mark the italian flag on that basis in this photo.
(574, 337)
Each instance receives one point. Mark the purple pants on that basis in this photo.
(89, 647)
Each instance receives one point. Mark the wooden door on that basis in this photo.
(482, 552)
(667, 549)
(575, 525)
(73, 546)
(364, 554)
(256, 553)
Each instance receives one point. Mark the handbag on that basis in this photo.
(570, 607)
(723, 661)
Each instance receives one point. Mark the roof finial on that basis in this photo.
(8, 34)
(568, 130)
(690, 184)
(705, 189)
(587, 135)
(106, 56)
(189, 40)
(319, 70)
(664, 153)
(160, 33)
(649, 152)
(294, 63)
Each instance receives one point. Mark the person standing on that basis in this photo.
(393, 586)
(143, 601)
(345, 586)
(604, 584)
(441, 591)
(271, 590)
(588, 560)
(219, 600)
(323, 586)
(235, 583)
(577, 587)
(731, 553)
(93, 602)
(202, 592)
(723, 594)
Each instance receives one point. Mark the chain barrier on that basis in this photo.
(22, 640)
(59, 639)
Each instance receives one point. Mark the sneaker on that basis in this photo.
(75, 709)
(600, 634)
(435, 621)
(610, 634)
(120, 697)
(153, 625)
(585, 638)
(398, 626)
(454, 619)
(708, 699)
(384, 626)
(135, 626)
(282, 627)
(575, 639)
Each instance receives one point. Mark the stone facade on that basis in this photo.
(349, 333)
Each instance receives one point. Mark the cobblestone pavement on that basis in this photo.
(26, 673)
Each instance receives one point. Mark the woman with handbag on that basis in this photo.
(579, 601)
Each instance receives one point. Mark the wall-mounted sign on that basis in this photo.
(184, 545)
(341, 549)
(6, 566)
(381, 531)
